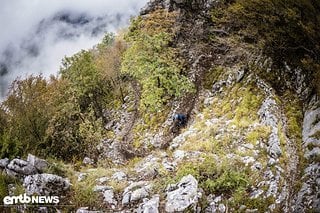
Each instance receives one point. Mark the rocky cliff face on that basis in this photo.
(247, 146)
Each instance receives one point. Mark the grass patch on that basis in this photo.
(258, 133)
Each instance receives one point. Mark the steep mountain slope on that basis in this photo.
(251, 141)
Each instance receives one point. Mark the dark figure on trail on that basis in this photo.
(179, 120)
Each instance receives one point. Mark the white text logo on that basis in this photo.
(25, 199)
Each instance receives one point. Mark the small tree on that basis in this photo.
(27, 115)
(152, 61)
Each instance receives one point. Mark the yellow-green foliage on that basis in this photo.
(153, 62)
(258, 133)
(240, 103)
(293, 111)
(246, 110)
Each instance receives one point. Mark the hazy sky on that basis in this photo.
(37, 34)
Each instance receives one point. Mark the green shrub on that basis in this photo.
(216, 177)
(150, 60)
(227, 182)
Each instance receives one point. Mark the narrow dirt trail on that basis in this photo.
(126, 134)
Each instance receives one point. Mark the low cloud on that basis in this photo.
(37, 34)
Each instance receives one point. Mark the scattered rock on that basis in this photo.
(169, 166)
(269, 115)
(119, 176)
(214, 204)
(18, 168)
(256, 166)
(99, 188)
(177, 141)
(88, 161)
(184, 196)
(248, 160)
(108, 197)
(102, 180)
(178, 155)
(45, 184)
(148, 168)
(255, 194)
(111, 149)
(149, 206)
(240, 74)
(135, 192)
(272, 162)
(82, 177)
(4, 162)
(222, 208)
(38, 163)
(251, 210)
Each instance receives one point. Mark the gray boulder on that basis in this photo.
(4, 162)
(185, 195)
(119, 176)
(88, 161)
(135, 192)
(82, 176)
(149, 167)
(108, 198)
(38, 163)
(102, 180)
(108, 194)
(149, 205)
(269, 115)
(18, 168)
(101, 188)
(45, 184)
